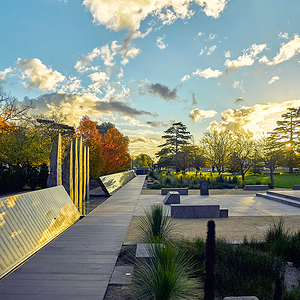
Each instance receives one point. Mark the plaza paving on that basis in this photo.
(249, 216)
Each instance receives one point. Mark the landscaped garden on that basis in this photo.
(164, 179)
(176, 266)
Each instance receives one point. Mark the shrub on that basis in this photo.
(166, 275)
(154, 226)
(246, 271)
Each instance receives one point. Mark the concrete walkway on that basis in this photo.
(79, 263)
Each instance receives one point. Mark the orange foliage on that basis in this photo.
(115, 152)
(6, 126)
(108, 153)
(91, 138)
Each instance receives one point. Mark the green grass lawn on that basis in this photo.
(284, 179)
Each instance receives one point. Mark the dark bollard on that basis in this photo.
(278, 290)
(210, 253)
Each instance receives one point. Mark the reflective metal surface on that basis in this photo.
(111, 183)
(29, 221)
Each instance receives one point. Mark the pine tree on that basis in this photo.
(287, 133)
(176, 137)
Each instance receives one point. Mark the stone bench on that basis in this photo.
(179, 211)
(250, 187)
(172, 198)
(296, 187)
(181, 191)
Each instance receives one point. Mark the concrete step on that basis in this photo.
(283, 195)
(280, 199)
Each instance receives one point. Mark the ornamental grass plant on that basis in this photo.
(165, 275)
(154, 226)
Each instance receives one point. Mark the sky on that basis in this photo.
(143, 64)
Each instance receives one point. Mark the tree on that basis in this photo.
(104, 127)
(93, 139)
(11, 112)
(143, 160)
(271, 154)
(176, 137)
(242, 153)
(115, 152)
(286, 134)
(108, 152)
(216, 148)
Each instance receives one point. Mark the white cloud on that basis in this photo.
(138, 34)
(247, 59)
(159, 42)
(197, 115)
(257, 119)
(80, 65)
(273, 79)
(39, 76)
(239, 84)
(283, 35)
(121, 73)
(75, 106)
(201, 52)
(99, 77)
(200, 34)
(227, 54)
(4, 73)
(129, 14)
(212, 36)
(212, 8)
(263, 60)
(211, 49)
(73, 85)
(287, 51)
(208, 73)
(186, 77)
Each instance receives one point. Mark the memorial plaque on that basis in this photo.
(204, 187)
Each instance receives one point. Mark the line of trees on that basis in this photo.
(234, 152)
(26, 141)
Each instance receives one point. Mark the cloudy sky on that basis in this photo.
(143, 64)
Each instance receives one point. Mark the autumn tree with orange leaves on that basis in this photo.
(115, 152)
(91, 138)
(108, 153)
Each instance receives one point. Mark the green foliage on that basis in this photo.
(166, 275)
(12, 178)
(246, 271)
(280, 242)
(294, 294)
(154, 226)
(190, 180)
(143, 160)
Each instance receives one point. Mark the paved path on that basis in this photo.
(237, 205)
(79, 263)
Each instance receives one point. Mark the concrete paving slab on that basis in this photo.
(237, 205)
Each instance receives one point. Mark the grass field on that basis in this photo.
(283, 179)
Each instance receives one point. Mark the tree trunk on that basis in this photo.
(272, 178)
(243, 176)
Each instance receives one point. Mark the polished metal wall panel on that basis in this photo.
(29, 221)
(111, 183)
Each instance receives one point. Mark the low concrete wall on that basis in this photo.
(29, 221)
(250, 187)
(181, 191)
(179, 211)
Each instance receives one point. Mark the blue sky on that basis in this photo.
(142, 64)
